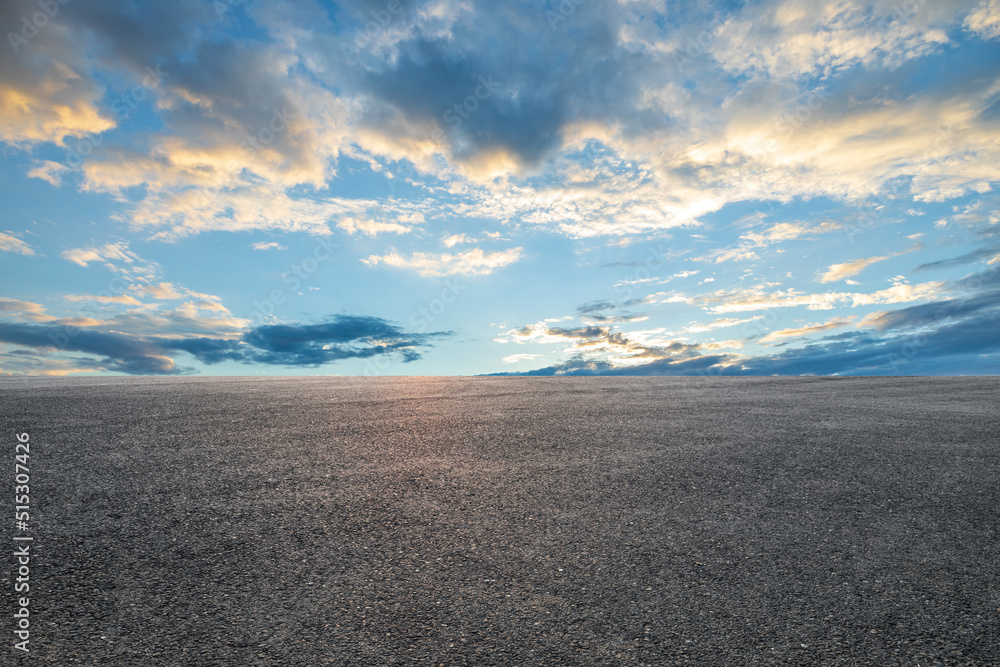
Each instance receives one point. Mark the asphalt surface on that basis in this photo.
(520, 521)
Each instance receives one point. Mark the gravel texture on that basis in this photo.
(520, 521)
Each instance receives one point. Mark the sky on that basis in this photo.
(583, 187)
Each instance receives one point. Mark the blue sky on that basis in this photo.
(578, 187)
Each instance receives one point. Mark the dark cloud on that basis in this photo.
(962, 344)
(933, 313)
(343, 337)
(675, 358)
(957, 336)
(607, 312)
(118, 352)
(968, 258)
(595, 307)
(555, 76)
(137, 34)
(579, 366)
(592, 333)
(308, 345)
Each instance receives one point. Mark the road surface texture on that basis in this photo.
(508, 521)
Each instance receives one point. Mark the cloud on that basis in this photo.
(518, 358)
(48, 93)
(835, 323)
(27, 310)
(48, 171)
(988, 253)
(601, 347)
(372, 227)
(934, 313)
(36, 362)
(854, 267)
(272, 245)
(780, 232)
(474, 262)
(602, 127)
(985, 20)
(720, 323)
(291, 345)
(751, 299)
(122, 299)
(608, 312)
(165, 291)
(161, 291)
(9, 243)
(735, 255)
(963, 348)
(454, 239)
(107, 253)
(788, 231)
(849, 269)
(117, 352)
(955, 335)
(797, 38)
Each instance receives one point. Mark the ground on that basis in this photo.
(521, 521)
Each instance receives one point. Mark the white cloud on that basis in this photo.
(787, 231)
(748, 300)
(107, 253)
(852, 268)
(454, 239)
(517, 358)
(834, 323)
(735, 254)
(48, 171)
(720, 323)
(985, 20)
(163, 291)
(371, 227)
(849, 269)
(25, 310)
(10, 243)
(794, 38)
(268, 245)
(48, 93)
(121, 299)
(474, 262)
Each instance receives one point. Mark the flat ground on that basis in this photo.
(521, 521)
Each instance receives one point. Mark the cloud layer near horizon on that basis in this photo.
(301, 345)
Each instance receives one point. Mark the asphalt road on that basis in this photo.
(520, 521)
